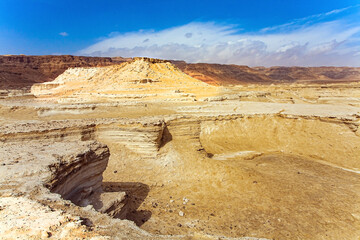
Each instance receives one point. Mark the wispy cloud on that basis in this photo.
(300, 22)
(64, 34)
(311, 41)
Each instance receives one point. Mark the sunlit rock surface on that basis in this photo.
(144, 151)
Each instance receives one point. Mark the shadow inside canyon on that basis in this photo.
(165, 138)
(136, 193)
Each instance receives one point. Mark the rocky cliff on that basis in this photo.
(20, 71)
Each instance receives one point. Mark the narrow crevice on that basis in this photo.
(166, 136)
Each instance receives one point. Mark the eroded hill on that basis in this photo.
(141, 78)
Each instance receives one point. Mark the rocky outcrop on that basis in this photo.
(143, 139)
(51, 183)
(142, 79)
(51, 131)
(186, 129)
(149, 60)
(69, 174)
(78, 177)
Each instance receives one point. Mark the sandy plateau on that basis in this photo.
(141, 150)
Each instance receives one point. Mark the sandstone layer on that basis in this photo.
(142, 78)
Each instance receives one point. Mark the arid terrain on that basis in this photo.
(115, 148)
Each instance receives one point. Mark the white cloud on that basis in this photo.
(309, 19)
(64, 34)
(323, 43)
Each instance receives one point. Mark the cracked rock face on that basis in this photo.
(25, 173)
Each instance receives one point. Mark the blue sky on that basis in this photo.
(306, 33)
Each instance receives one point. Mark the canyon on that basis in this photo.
(115, 148)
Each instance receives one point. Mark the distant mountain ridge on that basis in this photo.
(221, 74)
(21, 71)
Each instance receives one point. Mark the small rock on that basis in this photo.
(179, 225)
(154, 204)
(171, 200)
(115, 171)
(181, 214)
(46, 234)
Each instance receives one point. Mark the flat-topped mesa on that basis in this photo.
(142, 78)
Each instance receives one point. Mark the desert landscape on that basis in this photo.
(144, 148)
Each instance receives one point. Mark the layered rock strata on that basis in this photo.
(140, 79)
(34, 189)
(21, 71)
(69, 168)
(143, 139)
